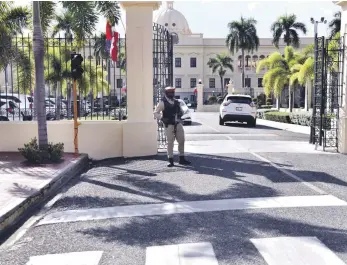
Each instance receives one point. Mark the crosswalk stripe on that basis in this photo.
(183, 254)
(190, 207)
(72, 258)
(295, 251)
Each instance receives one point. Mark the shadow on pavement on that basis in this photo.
(244, 125)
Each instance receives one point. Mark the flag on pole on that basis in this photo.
(114, 49)
(108, 31)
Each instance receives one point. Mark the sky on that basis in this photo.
(211, 17)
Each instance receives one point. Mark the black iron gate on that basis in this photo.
(328, 81)
(162, 71)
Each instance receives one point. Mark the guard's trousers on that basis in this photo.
(171, 136)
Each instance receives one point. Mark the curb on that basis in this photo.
(12, 218)
(285, 126)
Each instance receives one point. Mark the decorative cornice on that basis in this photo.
(154, 4)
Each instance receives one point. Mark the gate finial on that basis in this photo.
(169, 4)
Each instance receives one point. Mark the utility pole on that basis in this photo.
(76, 73)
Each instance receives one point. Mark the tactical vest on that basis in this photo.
(170, 112)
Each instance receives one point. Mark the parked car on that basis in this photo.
(239, 108)
(24, 102)
(9, 111)
(187, 117)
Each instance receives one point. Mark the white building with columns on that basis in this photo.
(193, 51)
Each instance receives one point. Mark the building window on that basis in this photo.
(119, 83)
(193, 62)
(260, 82)
(226, 81)
(212, 83)
(178, 82)
(178, 62)
(155, 62)
(247, 82)
(192, 82)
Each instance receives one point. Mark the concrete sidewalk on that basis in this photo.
(285, 126)
(24, 187)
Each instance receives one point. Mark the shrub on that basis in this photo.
(301, 118)
(33, 154)
(261, 113)
(277, 116)
(266, 106)
(269, 101)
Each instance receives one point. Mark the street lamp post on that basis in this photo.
(315, 23)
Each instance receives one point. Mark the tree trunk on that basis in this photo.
(278, 102)
(221, 83)
(290, 104)
(38, 48)
(243, 69)
(58, 101)
(69, 101)
(308, 95)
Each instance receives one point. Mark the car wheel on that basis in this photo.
(221, 121)
(252, 123)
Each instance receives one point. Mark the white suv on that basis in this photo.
(238, 108)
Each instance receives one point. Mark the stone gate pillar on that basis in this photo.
(140, 129)
(342, 134)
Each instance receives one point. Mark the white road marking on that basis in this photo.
(190, 207)
(73, 258)
(182, 254)
(295, 251)
(307, 184)
(286, 172)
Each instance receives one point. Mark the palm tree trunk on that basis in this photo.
(38, 48)
(58, 101)
(290, 103)
(243, 68)
(221, 83)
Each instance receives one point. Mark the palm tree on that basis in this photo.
(279, 72)
(38, 48)
(335, 24)
(47, 13)
(81, 17)
(65, 24)
(288, 27)
(12, 21)
(242, 35)
(220, 64)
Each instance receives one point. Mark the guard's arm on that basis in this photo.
(158, 110)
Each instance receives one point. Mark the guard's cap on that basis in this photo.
(169, 89)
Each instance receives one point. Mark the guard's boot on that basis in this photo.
(183, 161)
(171, 162)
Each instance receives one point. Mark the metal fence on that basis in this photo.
(101, 92)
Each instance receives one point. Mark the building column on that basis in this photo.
(200, 97)
(140, 129)
(342, 134)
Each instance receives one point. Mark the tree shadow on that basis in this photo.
(22, 191)
(244, 125)
(228, 232)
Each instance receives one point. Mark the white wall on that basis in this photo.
(98, 139)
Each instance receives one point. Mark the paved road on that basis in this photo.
(252, 196)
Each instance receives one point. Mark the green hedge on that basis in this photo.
(301, 118)
(261, 113)
(277, 116)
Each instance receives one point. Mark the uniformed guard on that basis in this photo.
(170, 113)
